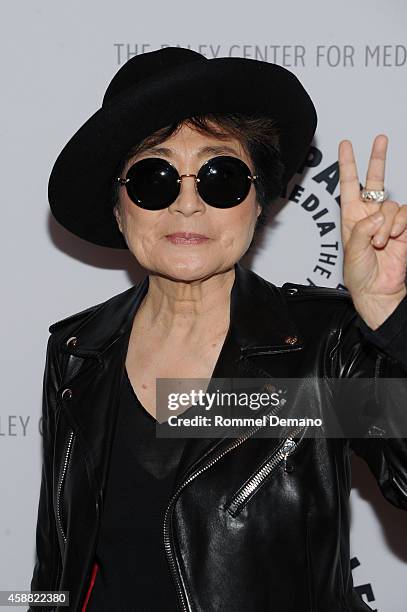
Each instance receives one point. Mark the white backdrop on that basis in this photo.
(57, 59)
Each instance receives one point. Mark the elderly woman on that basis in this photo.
(179, 166)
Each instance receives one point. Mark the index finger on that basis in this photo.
(348, 174)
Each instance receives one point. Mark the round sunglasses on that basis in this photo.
(154, 183)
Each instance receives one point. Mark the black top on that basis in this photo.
(133, 570)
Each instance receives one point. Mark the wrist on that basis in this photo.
(374, 310)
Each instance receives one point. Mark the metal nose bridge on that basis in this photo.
(181, 176)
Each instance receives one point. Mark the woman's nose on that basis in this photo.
(188, 199)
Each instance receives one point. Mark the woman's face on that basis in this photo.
(229, 231)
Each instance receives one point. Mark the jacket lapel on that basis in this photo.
(259, 325)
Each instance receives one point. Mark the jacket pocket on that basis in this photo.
(285, 448)
(62, 478)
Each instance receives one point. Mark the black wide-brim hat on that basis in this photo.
(153, 90)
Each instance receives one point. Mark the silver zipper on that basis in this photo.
(284, 449)
(64, 469)
(176, 573)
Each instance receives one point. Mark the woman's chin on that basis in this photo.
(186, 267)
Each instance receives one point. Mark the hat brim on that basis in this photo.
(81, 179)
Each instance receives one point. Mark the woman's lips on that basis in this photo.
(186, 238)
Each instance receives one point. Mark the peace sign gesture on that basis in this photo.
(374, 238)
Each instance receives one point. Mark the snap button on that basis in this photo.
(290, 339)
(66, 394)
(72, 341)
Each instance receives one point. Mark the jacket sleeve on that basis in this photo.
(391, 335)
(48, 563)
(378, 400)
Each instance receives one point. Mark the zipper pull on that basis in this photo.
(287, 449)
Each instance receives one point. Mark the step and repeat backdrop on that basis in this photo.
(57, 59)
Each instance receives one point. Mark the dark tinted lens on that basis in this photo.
(224, 181)
(153, 183)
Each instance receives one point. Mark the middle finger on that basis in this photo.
(377, 163)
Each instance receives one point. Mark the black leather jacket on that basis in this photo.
(285, 545)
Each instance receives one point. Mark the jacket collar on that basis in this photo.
(259, 319)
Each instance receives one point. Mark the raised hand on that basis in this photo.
(374, 237)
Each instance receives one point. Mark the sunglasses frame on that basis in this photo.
(124, 181)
